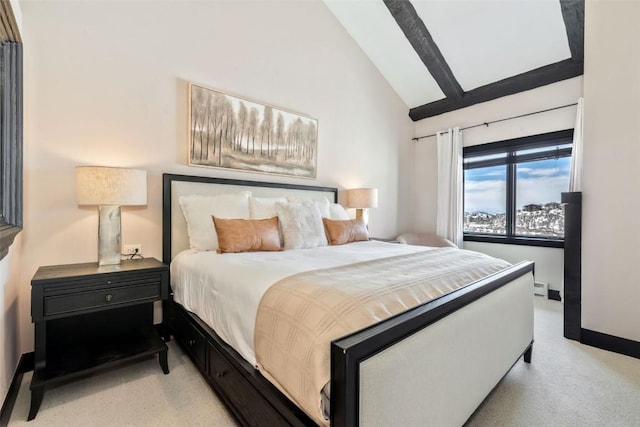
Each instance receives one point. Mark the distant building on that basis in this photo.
(533, 207)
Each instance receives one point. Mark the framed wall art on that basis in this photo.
(234, 133)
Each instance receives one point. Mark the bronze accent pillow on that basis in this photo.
(345, 231)
(247, 235)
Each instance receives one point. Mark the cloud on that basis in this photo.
(488, 185)
(541, 172)
(494, 173)
(490, 196)
(536, 182)
(540, 189)
(486, 196)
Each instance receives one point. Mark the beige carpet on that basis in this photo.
(567, 384)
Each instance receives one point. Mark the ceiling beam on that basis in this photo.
(573, 15)
(416, 32)
(530, 80)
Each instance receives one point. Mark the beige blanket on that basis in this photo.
(299, 316)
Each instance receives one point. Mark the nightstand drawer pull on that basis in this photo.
(108, 298)
(221, 374)
(191, 343)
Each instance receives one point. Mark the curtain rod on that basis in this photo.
(418, 138)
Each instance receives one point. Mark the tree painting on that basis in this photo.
(235, 133)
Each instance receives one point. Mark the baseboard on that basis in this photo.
(610, 343)
(554, 295)
(25, 364)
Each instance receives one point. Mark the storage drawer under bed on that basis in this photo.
(192, 341)
(233, 387)
(239, 391)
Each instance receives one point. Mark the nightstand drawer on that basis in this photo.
(90, 300)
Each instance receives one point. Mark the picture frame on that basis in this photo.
(230, 132)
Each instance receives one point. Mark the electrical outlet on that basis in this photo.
(132, 249)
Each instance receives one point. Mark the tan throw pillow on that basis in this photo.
(340, 232)
(247, 235)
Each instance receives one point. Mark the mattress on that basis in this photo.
(225, 290)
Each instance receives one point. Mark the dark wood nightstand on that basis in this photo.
(89, 318)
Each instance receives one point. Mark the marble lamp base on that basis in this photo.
(109, 235)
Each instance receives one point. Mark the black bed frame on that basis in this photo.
(252, 399)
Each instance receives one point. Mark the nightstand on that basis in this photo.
(90, 318)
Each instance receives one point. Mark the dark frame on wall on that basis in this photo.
(11, 122)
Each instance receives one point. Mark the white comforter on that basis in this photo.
(224, 290)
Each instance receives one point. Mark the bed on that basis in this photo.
(432, 364)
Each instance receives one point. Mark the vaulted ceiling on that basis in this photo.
(442, 55)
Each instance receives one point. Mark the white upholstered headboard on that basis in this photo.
(174, 227)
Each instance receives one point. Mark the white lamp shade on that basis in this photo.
(361, 198)
(98, 185)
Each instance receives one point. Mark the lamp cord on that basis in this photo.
(133, 255)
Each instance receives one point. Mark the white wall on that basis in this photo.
(9, 322)
(425, 167)
(611, 224)
(106, 84)
(549, 261)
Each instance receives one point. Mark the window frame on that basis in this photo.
(510, 160)
(11, 119)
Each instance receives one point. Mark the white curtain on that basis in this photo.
(575, 179)
(450, 216)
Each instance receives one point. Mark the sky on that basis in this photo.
(538, 182)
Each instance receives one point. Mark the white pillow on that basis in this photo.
(301, 225)
(323, 204)
(198, 210)
(336, 211)
(264, 207)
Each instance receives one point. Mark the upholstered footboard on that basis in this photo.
(436, 364)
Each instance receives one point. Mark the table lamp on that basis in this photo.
(361, 199)
(109, 188)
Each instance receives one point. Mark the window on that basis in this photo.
(512, 190)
